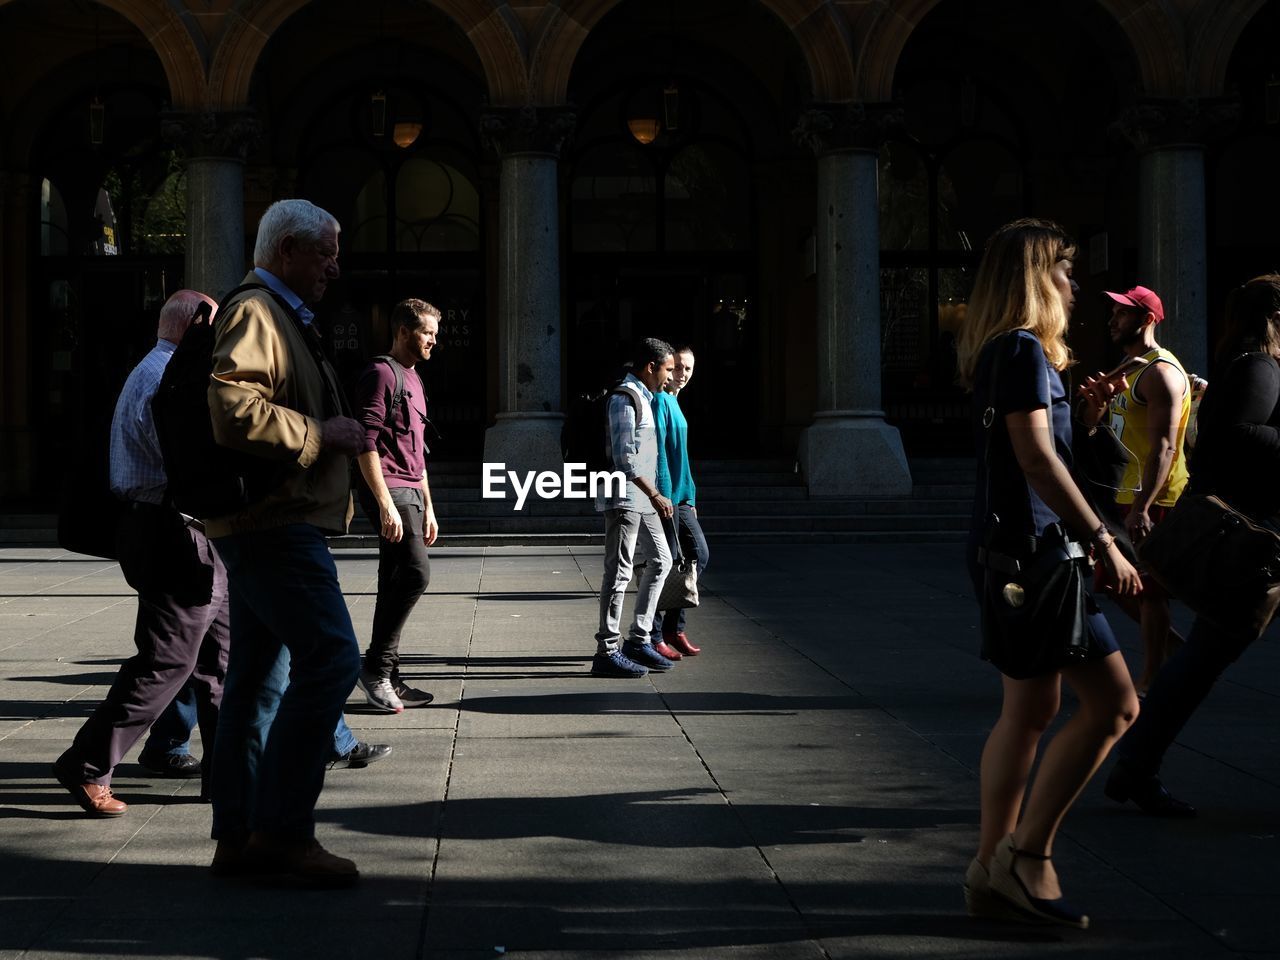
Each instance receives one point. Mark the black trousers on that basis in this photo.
(404, 572)
(182, 631)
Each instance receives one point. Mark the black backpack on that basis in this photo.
(584, 438)
(398, 402)
(206, 479)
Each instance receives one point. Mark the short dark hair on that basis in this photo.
(650, 350)
(685, 348)
(413, 314)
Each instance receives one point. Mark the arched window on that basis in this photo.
(163, 227)
(437, 208)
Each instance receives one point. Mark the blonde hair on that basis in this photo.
(1014, 291)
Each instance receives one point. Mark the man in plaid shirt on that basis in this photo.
(633, 522)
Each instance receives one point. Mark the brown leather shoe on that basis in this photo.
(668, 651)
(95, 799)
(680, 642)
(304, 862)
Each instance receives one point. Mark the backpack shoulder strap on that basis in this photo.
(397, 396)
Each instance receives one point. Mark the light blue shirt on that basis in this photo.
(137, 468)
(292, 299)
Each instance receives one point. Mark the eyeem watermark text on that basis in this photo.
(575, 482)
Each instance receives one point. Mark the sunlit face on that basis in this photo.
(655, 375)
(1126, 323)
(1060, 277)
(306, 267)
(422, 340)
(682, 372)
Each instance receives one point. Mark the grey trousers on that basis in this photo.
(631, 539)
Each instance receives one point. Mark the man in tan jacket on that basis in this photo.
(294, 654)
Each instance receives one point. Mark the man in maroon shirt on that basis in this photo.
(397, 498)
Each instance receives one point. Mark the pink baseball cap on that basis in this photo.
(1140, 297)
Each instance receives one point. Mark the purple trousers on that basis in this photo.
(181, 632)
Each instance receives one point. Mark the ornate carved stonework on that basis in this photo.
(848, 126)
(233, 135)
(527, 129)
(1162, 123)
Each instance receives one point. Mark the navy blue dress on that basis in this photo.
(1026, 382)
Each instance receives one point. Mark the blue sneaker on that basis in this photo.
(644, 653)
(612, 663)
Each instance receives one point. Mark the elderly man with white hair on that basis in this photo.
(276, 399)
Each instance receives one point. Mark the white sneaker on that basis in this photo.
(379, 694)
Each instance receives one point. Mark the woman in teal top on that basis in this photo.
(674, 481)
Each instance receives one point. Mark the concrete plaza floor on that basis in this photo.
(805, 789)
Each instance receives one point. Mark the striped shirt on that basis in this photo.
(137, 469)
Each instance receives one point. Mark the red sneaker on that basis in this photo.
(679, 641)
(668, 651)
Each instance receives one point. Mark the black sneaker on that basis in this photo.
(645, 655)
(361, 755)
(410, 696)
(612, 663)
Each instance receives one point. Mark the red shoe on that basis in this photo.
(668, 651)
(679, 641)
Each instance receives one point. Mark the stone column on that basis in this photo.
(526, 435)
(1172, 245)
(849, 450)
(216, 145)
(18, 193)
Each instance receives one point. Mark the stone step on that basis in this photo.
(369, 542)
(716, 508)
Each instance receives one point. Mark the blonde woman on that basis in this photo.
(1015, 327)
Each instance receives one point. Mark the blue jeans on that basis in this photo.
(689, 533)
(171, 733)
(294, 660)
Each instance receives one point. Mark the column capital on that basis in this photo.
(826, 127)
(1164, 122)
(230, 134)
(527, 129)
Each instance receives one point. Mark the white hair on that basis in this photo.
(300, 219)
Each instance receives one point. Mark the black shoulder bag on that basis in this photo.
(1034, 614)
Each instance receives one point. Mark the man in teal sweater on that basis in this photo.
(675, 482)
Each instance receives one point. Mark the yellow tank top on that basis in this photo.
(1129, 421)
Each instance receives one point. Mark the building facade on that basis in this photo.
(799, 188)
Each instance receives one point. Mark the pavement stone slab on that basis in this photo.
(807, 788)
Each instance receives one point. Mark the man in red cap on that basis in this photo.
(1150, 418)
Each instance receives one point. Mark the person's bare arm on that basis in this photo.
(430, 527)
(390, 527)
(1032, 441)
(1162, 388)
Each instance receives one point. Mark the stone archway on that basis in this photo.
(172, 42)
(1219, 31)
(493, 31)
(820, 30)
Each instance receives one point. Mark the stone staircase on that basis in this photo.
(739, 500)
